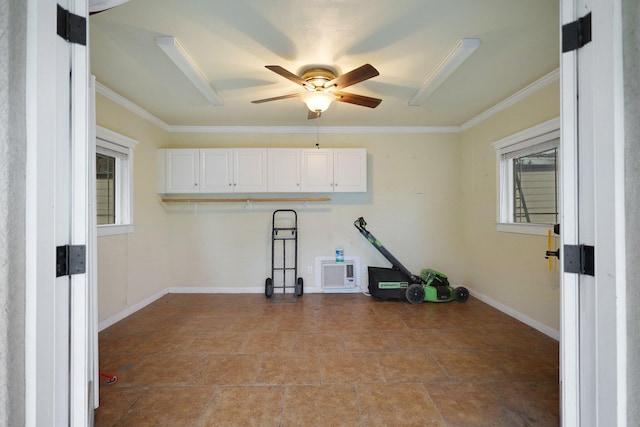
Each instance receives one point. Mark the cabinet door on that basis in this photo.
(317, 170)
(216, 170)
(283, 170)
(181, 174)
(349, 170)
(250, 170)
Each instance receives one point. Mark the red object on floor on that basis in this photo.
(112, 379)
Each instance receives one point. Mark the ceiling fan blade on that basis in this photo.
(362, 100)
(289, 75)
(313, 115)
(277, 98)
(358, 75)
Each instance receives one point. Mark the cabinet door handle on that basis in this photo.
(195, 184)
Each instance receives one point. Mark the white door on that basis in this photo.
(283, 168)
(592, 340)
(250, 170)
(182, 171)
(317, 170)
(350, 170)
(58, 372)
(216, 170)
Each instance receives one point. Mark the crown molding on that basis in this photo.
(527, 91)
(314, 130)
(523, 93)
(129, 105)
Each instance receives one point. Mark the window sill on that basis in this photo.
(535, 229)
(110, 230)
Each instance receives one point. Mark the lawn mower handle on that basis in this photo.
(361, 224)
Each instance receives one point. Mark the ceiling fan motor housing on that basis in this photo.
(318, 77)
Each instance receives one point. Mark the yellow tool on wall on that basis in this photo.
(550, 253)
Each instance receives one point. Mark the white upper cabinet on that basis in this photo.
(283, 170)
(317, 170)
(349, 170)
(334, 170)
(181, 171)
(212, 170)
(257, 170)
(216, 170)
(250, 170)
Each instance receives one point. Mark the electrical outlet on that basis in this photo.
(309, 269)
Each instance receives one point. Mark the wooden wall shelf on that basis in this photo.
(250, 200)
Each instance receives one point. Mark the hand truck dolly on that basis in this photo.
(284, 231)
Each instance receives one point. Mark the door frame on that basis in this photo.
(593, 380)
(43, 404)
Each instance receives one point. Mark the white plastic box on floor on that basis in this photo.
(338, 277)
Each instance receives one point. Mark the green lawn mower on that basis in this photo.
(399, 283)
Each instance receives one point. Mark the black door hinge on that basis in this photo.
(576, 34)
(70, 259)
(579, 259)
(72, 28)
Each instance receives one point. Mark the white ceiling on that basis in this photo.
(232, 40)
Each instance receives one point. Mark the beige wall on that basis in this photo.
(431, 201)
(133, 267)
(411, 206)
(506, 267)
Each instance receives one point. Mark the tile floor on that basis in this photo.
(325, 360)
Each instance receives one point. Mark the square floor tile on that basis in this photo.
(228, 369)
(286, 368)
(321, 405)
(399, 367)
(350, 368)
(161, 370)
(472, 404)
(269, 342)
(245, 406)
(318, 342)
(168, 406)
(396, 405)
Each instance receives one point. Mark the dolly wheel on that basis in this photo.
(461, 294)
(268, 288)
(299, 287)
(415, 293)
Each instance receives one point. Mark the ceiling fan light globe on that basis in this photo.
(318, 102)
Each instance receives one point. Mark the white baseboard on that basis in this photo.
(215, 290)
(517, 315)
(130, 310)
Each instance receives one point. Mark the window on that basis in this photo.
(114, 182)
(527, 179)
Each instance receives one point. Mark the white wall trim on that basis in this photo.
(130, 310)
(523, 93)
(215, 290)
(555, 334)
(129, 105)
(541, 83)
(116, 138)
(314, 130)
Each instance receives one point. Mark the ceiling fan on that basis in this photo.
(324, 86)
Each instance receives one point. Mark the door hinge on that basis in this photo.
(576, 34)
(70, 259)
(579, 259)
(71, 27)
